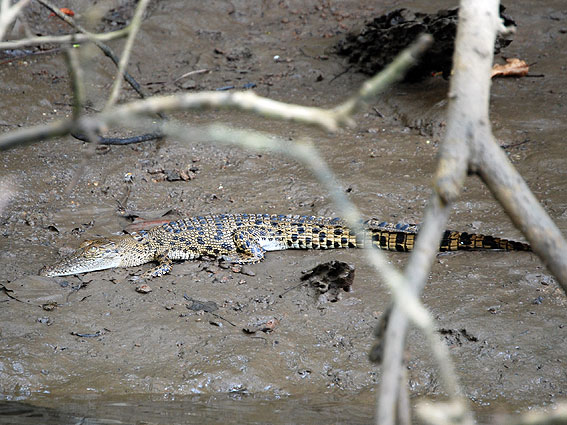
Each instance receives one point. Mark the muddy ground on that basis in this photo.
(141, 355)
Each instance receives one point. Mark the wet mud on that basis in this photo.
(260, 336)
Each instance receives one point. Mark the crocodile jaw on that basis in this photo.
(75, 265)
(93, 255)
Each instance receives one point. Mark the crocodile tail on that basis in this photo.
(453, 241)
(391, 237)
(394, 241)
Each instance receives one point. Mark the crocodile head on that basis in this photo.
(97, 254)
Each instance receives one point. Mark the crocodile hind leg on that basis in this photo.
(248, 247)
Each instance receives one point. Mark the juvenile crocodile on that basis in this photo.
(244, 238)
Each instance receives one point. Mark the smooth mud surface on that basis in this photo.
(77, 343)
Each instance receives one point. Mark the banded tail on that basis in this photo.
(401, 237)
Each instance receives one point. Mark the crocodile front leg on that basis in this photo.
(163, 267)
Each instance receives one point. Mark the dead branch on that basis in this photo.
(76, 74)
(468, 144)
(99, 42)
(9, 13)
(527, 214)
(327, 119)
(476, 31)
(389, 76)
(134, 27)
(36, 134)
(63, 39)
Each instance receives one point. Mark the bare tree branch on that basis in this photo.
(36, 134)
(99, 43)
(9, 13)
(327, 119)
(77, 87)
(63, 39)
(521, 205)
(393, 73)
(468, 142)
(476, 31)
(134, 27)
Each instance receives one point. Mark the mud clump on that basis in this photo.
(329, 279)
(376, 45)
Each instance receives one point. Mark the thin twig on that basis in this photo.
(98, 41)
(119, 140)
(329, 120)
(77, 87)
(246, 101)
(134, 27)
(9, 13)
(36, 134)
(393, 73)
(63, 39)
(187, 74)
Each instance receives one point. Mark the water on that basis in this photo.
(192, 410)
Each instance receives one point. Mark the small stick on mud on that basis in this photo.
(81, 335)
(292, 288)
(187, 74)
(31, 53)
(218, 316)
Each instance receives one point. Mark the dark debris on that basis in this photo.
(376, 45)
(329, 278)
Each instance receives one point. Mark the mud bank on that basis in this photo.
(93, 337)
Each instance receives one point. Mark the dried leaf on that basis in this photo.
(513, 67)
(65, 11)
